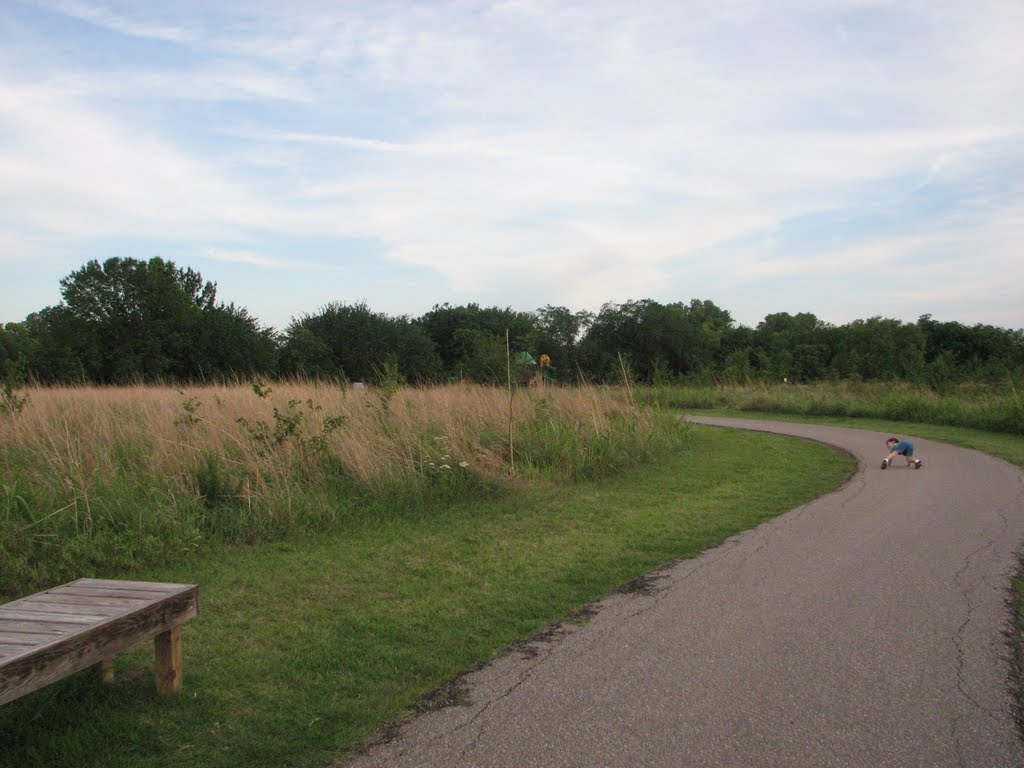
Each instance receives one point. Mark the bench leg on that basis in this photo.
(105, 670)
(168, 661)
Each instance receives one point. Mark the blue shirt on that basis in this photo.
(904, 448)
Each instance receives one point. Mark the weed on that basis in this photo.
(191, 408)
(215, 484)
(11, 403)
(15, 506)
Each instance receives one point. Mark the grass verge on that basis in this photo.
(1005, 446)
(304, 648)
(994, 408)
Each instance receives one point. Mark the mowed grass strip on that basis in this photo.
(1006, 446)
(304, 649)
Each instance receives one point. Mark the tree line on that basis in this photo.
(127, 321)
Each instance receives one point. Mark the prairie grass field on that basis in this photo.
(96, 480)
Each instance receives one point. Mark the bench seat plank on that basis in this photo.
(23, 638)
(147, 586)
(44, 627)
(80, 633)
(50, 618)
(54, 618)
(47, 600)
(87, 597)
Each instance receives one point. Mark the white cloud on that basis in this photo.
(601, 149)
(131, 24)
(70, 170)
(240, 257)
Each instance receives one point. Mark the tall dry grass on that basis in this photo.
(93, 480)
(83, 436)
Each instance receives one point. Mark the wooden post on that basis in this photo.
(167, 646)
(105, 670)
(511, 395)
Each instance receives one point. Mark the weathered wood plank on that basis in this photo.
(102, 589)
(81, 606)
(167, 660)
(148, 586)
(93, 642)
(29, 638)
(42, 627)
(68, 599)
(72, 620)
(10, 651)
(115, 584)
(57, 618)
(13, 648)
(136, 594)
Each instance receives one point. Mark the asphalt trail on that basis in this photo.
(870, 627)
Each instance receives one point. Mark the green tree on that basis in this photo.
(482, 356)
(132, 320)
(977, 352)
(880, 348)
(17, 348)
(232, 343)
(556, 332)
(446, 326)
(659, 340)
(796, 347)
(361, 342)
(304, 354)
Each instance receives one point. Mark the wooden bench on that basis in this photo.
(50, 635)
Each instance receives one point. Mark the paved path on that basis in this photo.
(867, 628)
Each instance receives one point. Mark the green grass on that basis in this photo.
(1005, 446)
(304, 648)
(993, 408)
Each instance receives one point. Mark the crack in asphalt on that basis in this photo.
(959, 639)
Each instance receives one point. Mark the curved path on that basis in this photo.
(870, 627)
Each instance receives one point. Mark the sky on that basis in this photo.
(848, 158)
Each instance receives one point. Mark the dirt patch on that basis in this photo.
(642, 585)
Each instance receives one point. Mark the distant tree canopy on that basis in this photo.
(351, 341)
(127, 320)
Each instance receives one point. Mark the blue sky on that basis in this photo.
(849, 158)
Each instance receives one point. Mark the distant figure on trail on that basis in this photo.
(904, 448)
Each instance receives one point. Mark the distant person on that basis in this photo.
(903, 448)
